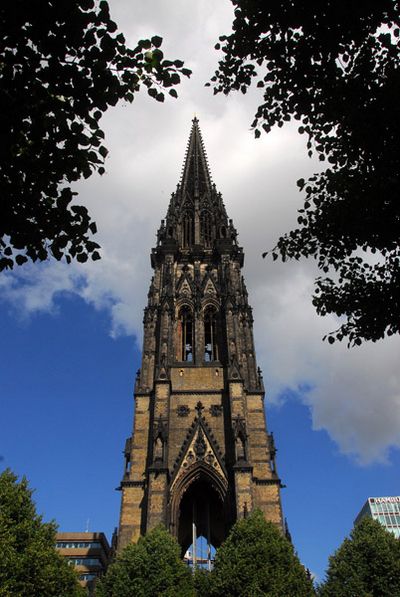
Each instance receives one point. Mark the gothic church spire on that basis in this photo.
(196, 465)
(196, 179)
(196, 217)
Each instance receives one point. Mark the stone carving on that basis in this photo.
(160, 440)
(200, 445)
(216, 410)
(199, 407)
(240, 434)
(183, 410)
(158, 450)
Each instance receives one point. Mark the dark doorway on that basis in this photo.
(201, 513)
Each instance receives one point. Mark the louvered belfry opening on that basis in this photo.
(185, 334)
(211, 352)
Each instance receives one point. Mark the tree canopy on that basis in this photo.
(29, 563)
(152, 566)
(62, 65)
(333, 66)
(366, 565)
(257, 560)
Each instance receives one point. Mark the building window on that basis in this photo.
(206, 228)
(84, 561)
(88, 576)
(188, 230)
(210, 335)
(185, 335)
(78, 544)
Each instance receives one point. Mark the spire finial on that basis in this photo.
(196, 178)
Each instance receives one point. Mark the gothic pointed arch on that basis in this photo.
(200, 497)
(212, 333)
(206, 226)
(187, 229)
(199, 488)
(185, 285)
(185, 333)
(199, 445)
(210, 286)
(196, 470)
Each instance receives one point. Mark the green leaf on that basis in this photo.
(154, 564)
(145, 44)
(257, 559)
(156, 41)
(27, 543)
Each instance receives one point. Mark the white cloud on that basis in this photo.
(354, 395)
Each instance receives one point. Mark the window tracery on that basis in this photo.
(188, 229)
(211, 352)
(206, 227)
(185, 334)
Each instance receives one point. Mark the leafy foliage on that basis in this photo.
(152, 566)
(366, 565)
(203, 582)
(257, 560)
(62, 65)
(334, 67)
(29, 563)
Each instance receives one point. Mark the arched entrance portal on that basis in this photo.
(199, 507)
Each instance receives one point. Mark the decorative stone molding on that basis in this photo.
(216, 410)
(183, 410)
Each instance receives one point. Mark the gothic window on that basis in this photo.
(210, 335)
(188, 230)
(206, 228)
(185, 335)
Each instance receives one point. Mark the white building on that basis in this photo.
(385, 510)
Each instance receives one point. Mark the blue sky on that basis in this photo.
(66, 409)
(71, 335)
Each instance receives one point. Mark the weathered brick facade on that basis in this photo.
(200, 446)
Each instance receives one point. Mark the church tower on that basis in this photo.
(199, 456)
